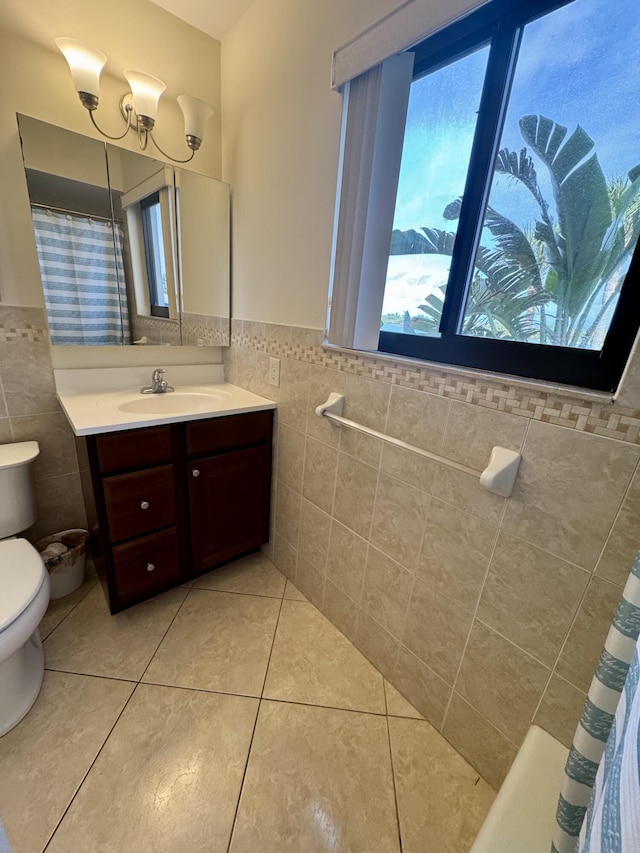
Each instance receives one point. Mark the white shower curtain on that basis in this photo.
(81, 268)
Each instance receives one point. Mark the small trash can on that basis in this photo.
(65, 557)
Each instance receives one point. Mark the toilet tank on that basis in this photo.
(17, 502)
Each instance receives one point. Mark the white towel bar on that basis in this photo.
(498, 477)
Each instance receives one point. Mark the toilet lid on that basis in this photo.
(18, 453)
(21, 576)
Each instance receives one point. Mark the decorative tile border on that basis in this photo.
(33, 334)
(584, 415)
(23, 324)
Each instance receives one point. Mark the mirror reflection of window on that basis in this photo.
(143, 190)
(154, 255)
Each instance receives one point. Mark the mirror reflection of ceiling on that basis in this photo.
(214, 19)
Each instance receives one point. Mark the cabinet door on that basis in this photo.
(229, 504)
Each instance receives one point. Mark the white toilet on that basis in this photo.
(24, 588)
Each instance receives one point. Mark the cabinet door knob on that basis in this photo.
(144, 505)
(150, 567)
(195, 473)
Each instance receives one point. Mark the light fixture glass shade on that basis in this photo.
(196, 114)
(146, 91)
(85, 63)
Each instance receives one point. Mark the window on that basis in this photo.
(149, 208)
(154, 255)
(517, 210)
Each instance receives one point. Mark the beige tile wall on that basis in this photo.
(486, 613)
(204, 330)
(160, 331)
(29, 411)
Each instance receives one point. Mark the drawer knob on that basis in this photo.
(150, 567)
(195, 472)
(144, 505)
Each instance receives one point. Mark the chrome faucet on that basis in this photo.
(158, 383)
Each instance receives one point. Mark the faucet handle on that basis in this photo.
(158, 383)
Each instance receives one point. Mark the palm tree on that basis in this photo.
(557, 283)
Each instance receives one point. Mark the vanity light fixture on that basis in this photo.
(139, 107)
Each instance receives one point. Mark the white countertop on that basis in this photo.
(109, 399)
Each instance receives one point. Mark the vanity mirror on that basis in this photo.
(131, 250)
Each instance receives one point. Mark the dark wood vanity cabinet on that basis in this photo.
(174, 501)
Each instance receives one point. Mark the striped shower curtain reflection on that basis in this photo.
(81, 264)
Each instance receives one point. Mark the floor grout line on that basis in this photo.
(66, 615)
(244, 776)
(281, 701)
(235, 592)
(393, 781)
(255, 724)
(175, 616)
(92, 675)
(90, 768)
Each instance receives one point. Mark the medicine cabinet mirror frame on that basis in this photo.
(131, 249)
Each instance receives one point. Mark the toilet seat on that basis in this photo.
(22, 574)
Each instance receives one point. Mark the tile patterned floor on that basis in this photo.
(227, 715)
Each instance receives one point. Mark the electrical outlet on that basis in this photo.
(274, 371)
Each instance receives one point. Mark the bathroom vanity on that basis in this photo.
(178, 494)
(174, 501)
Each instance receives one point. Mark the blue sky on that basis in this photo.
(578, 65)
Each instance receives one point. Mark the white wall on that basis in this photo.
(35, 80)
(281, 126)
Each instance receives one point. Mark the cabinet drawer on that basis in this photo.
(145, 564)
(228, 433)
(140, 502)
(136, 448)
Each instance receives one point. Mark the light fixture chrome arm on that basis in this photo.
(168, 156)
(129, 110)
(144, 127)
(143, 138)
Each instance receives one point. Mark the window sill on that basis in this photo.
(571, 391)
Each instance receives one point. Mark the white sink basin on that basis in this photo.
(108, 399)
(173, 402)
(167, 403)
